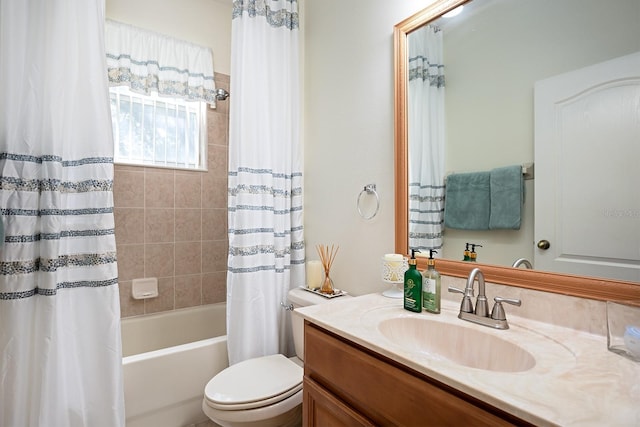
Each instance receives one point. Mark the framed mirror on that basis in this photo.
(589, 287)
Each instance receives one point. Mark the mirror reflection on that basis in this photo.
(471, 101)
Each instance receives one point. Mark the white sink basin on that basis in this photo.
(463, 345)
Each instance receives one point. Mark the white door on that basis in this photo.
(587, 184)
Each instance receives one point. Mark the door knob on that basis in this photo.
(544, 244)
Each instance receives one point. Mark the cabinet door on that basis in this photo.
(322, 409)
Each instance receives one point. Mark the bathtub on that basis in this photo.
(168, 358)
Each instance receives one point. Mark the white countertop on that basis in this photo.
(576, 381)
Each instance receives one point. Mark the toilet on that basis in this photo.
(264, 391)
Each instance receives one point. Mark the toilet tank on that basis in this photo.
(302, 298)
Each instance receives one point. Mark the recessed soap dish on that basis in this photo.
(144, 288)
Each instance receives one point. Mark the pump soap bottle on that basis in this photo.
(413, 286)
(466, 256)
(473, 254)
(431, 286)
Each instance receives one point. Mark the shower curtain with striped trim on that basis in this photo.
(426, 138)
(60, 348)
(266, 243)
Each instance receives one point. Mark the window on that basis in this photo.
(158, 131)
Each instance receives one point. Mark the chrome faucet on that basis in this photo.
(482, 307)
(480, 314)
(522, 261)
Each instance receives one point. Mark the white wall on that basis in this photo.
(202, 22)
(348, 122)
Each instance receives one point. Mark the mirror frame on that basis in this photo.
(584, 287)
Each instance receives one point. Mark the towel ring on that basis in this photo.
(369, 189)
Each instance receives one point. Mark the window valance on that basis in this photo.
(147, 61)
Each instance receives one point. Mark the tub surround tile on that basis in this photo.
(129, 225)
(214, 224)
(130, 261)
(222, 80)
(217, 160)
(159, 217)
(189, 225)
(159, 260)
(159, 188)
(159, 225)
(217, 127)
(188, 258)
(188, 190)
(165, 299)
(128, 305)
(214, 256)
(188, 291)
(222, 107)
(214, 287)
(214, 192)
(128, 188)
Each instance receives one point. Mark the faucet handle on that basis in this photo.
(467, 292)
(456, 290)
(497, 313)
(466, 305)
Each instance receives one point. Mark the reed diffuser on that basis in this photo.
(327, 255)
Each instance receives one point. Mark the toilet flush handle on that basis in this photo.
(288, 307)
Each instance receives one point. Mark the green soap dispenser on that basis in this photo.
(431, 286)
(466, 256)
(413, 286)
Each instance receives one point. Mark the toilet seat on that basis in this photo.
(272, 378)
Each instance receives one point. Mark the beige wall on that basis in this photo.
(172, 224)
(348, 122)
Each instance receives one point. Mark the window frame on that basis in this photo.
(154, 98)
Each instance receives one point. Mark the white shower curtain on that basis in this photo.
(266, 243)
(426, 138)
(60, 349)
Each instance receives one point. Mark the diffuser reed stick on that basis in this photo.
(327, 256)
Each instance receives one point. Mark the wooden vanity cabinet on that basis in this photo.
(348, 385)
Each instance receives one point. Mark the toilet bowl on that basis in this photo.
(264, 391)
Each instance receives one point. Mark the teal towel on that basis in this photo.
(507, 197)
(467, 202)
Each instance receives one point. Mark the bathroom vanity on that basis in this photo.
(346, 384)
(370, 362)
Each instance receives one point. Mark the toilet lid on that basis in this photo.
(254, 383)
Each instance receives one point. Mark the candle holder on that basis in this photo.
(393, 268)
